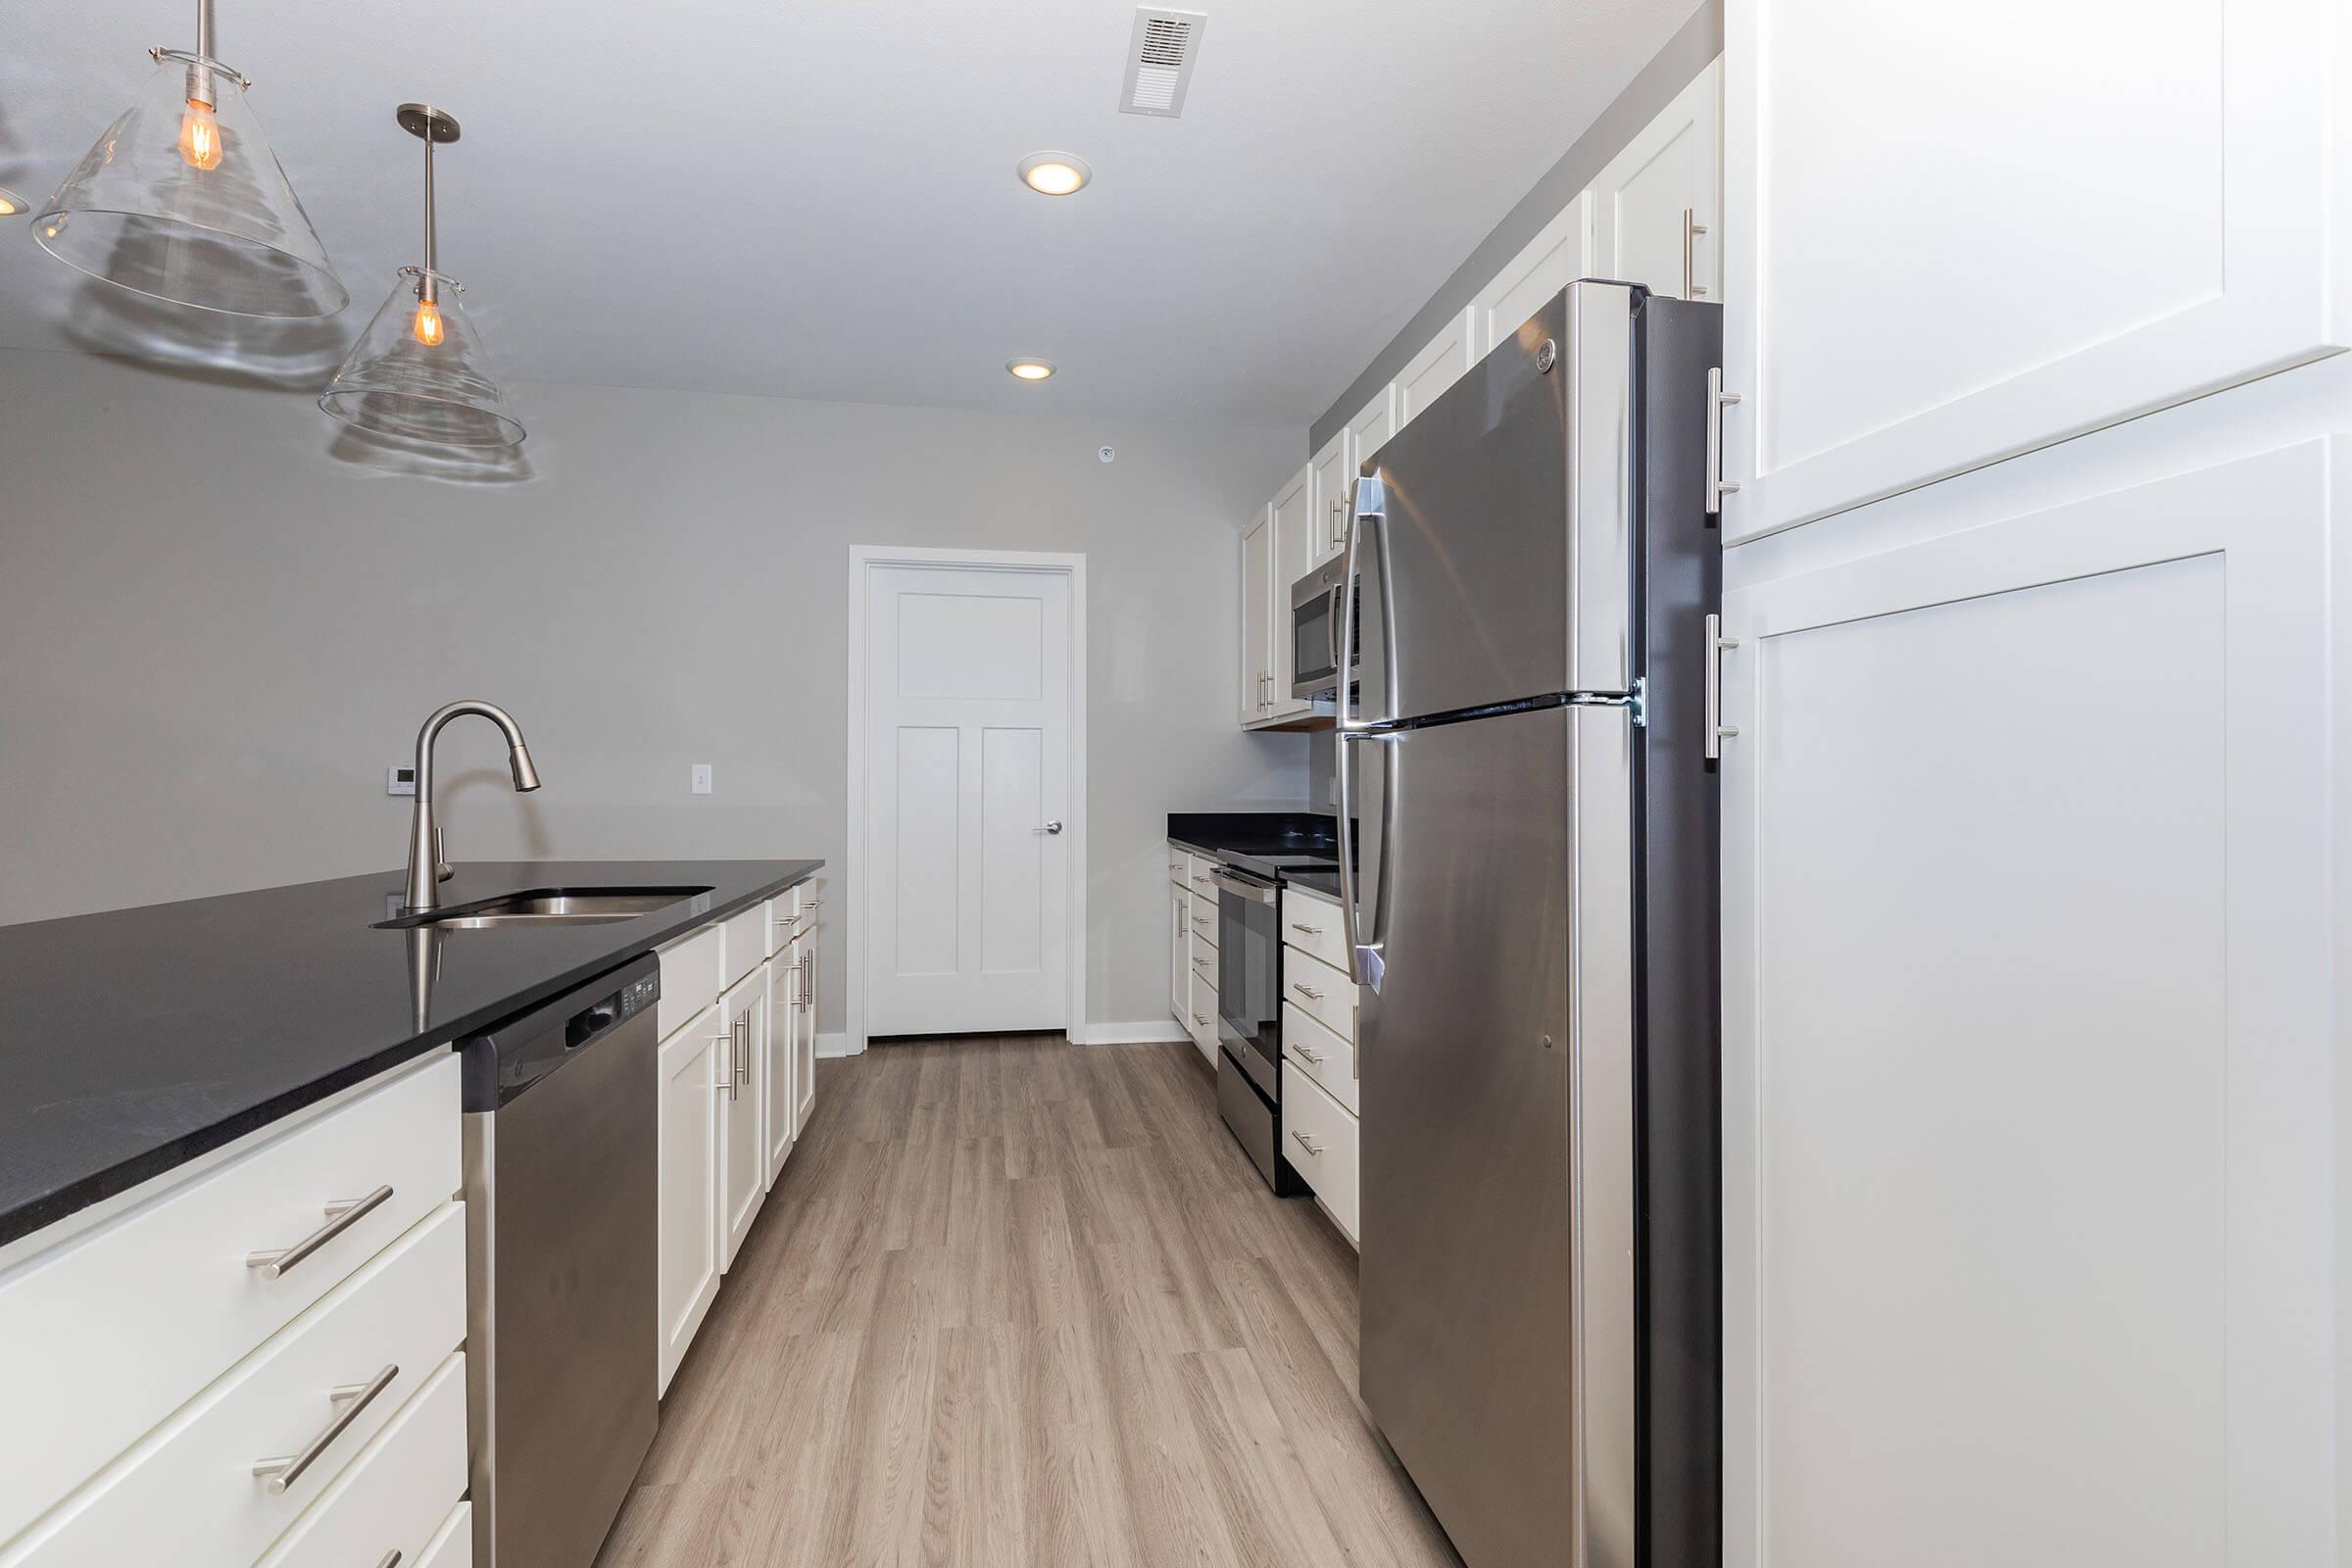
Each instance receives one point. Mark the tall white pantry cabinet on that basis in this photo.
(2035, 1083)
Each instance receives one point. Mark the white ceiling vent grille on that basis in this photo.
(1160, 61)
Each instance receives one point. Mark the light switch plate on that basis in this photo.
(700, 783)
(400, 779)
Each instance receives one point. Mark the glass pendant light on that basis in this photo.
(182, 200)
(11, 203)
(417, 373)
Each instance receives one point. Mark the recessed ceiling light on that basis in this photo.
(1054, 173)
(1030, 369)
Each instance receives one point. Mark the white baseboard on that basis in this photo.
(1162, 1031)
(834, 1045)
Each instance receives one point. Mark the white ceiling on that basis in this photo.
(816, 199)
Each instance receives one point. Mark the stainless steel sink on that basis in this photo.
(543, 906)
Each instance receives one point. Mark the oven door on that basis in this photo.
(1250, 977)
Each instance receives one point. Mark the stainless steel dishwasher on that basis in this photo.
(559, 1259)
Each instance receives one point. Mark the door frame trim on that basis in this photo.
(863, 559)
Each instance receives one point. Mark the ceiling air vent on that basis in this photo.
(1160, 61)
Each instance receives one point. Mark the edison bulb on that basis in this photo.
(427, 325)
(200, 137)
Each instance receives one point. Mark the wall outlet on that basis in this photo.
(400, 779)
(701, 783)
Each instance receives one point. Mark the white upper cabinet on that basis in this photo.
(1435, 368)
(1297, 531)
(1330, 472)
(1257, 619)
(1657, 209)
(1959, 232)
(1371, 427)
(1554, 259)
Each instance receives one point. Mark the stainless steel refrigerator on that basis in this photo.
(1529, 805)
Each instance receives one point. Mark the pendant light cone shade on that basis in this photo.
(182, 200)
(440, 393)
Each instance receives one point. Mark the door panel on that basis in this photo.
(1296, 535)
(2148, 219)
(1497, 1164)
(1327, 496)
(778, 1089)
(743, 1153)
(1656, 205)
(1257, 619)
(1443, 362)
(2053, 976)
(1554, 259)
(967, 712)
(688, 1230)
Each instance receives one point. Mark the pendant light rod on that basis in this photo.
(200, 75)
(429, 126)
(204, 29)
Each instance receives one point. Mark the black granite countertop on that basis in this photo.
(1255, 832)
(138, 1039)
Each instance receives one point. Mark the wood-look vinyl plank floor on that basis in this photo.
(1023, 1302)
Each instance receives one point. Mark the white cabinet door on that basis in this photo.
(804, 1065)
(1330, 472)
(1954, 233)
(1658, 208)
(1297, 531)
(1447, 358)
(1180, 955)
(1372, 426)
(1257, 619)
(742, 1151)
(2027, 1103)
(1554, 259)
(779, 1086)
(688, 1094)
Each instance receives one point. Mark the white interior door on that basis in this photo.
(967, 769)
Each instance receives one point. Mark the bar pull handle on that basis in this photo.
(279, 1474)
(1306, 991)
(1305, 1143)
(1312, 1058)
(726, 1073)
(1717, 730)
(1718, 400)
(1692, 288)
(1310, 930)
(743, 1056)
(391, 1559)
(341, 1215)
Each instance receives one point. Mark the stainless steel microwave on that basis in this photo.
(1315, 662)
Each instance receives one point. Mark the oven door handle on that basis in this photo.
(1254, 892)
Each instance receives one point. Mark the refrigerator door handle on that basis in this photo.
(1369, 500)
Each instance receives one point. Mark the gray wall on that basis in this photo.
(218, 624)
(1685, 55)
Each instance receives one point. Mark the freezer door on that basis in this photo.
(1497, 1279)
(1506, 535)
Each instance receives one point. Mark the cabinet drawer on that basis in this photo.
(1316, 988)
(110, 1332)
(690, 979)
(452, 1545)
(1204, 964)
(397, 1493)
(1179, 866)
(1202, 1019)
(1320, 1055)
(1319, 1139)
(189, 1481)
(1311, 926)
(1205, 921)
(743, 936)
(788, 915)
(1197, 877)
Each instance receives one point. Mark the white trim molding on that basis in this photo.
(864, 559)
(1152, 1032)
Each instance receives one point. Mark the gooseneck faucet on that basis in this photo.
(427, 870)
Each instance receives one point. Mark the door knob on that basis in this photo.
(1050, 827)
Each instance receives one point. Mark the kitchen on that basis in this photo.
(1977, 1133)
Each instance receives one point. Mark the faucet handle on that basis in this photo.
(442, 869)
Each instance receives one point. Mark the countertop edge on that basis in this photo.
(61, 1203)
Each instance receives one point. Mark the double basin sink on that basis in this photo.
(545, 906)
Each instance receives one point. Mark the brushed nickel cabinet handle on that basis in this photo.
(742, 1048)
(726, 1074)
(279, 1474)
(1306, 991)
(391, 1559)
(1692, 288)
(1314, 1058)
(341, 1215)
(1310, 930)
(1305, 1143)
